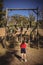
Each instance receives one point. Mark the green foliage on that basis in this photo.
(31, 17)
(32, 20)
(21, 21)
(40, 23)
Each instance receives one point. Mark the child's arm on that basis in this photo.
(20, 45)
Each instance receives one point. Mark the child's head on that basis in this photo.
(23, 42)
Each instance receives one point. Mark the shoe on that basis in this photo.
(25, 60)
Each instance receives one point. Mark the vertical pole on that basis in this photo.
(37, 30)
(6, 12)
(5, 27)
(21, 31)
(29, 29)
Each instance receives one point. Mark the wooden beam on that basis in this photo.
(21, 9)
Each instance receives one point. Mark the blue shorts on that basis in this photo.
(23, 50)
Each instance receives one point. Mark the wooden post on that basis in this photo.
(6, 13)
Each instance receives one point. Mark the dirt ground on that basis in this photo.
(34, 57)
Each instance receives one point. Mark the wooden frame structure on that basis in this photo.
(35, 10)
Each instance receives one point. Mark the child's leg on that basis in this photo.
(22, 55)
(25, 57)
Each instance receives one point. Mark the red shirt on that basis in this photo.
(23, 45)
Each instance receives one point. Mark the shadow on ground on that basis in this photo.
(6, 59)
(18, 57)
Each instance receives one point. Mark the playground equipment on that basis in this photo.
(22, 31)
(26, 9)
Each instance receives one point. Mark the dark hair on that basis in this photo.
(23, 42)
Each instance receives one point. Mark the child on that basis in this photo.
(23, 51)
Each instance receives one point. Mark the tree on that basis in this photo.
(31, 19)
(2, 13)
(41, 18)
(41, 24)
(1, 8)
(41, 14)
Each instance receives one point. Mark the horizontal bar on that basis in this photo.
(21, 9)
